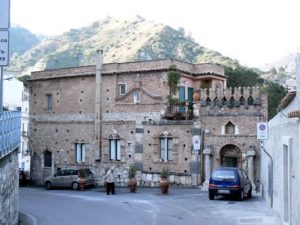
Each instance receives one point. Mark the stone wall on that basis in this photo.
(9, 189)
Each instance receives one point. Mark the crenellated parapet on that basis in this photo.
(231, 97)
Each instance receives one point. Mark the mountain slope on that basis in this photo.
(21, 39)
(121, 40)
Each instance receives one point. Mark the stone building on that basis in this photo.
(118, 114)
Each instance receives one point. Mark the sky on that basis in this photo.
(255, 32)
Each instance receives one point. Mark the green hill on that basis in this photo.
(121, 40)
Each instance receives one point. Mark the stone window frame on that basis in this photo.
(48, 102)
(120, 85)
(47, 156)
(117, 151)
(224, 129)
(166, 136)
(80, 152)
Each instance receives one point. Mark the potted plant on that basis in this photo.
(132, 183)
(81, 183)
(164, 183)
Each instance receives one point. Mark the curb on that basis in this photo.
(26, 219)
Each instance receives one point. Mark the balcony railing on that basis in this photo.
(180, 111)
(10, 132)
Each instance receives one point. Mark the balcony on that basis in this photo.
(10, 132)
(180, 111)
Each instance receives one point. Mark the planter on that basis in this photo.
(164, 185)
(81, 183)
(132, 184)
(196, 96)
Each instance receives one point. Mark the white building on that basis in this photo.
(16, 98)
(280, 182)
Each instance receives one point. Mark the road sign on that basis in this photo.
(262, 131)
(4, 14)
(196, 142)
(4, 47)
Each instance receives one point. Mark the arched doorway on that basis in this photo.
(231, 155)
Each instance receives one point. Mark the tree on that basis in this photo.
(244, 77)
(275, 94)
(173, 80)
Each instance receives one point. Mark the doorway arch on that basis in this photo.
(231, 156)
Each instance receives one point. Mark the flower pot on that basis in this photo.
(132, 184)
(196, 96)
(81, 184)
(164, 185)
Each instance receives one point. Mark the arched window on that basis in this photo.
(47, 159)
(229, 128)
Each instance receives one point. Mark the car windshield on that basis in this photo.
(224, 174)
(84, 173)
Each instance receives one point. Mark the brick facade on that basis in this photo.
(136, 120)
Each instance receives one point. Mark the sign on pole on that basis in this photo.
(4, 14)
(196, 144)
(262, 131)
(4, 47)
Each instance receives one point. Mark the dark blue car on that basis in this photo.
(229, 181)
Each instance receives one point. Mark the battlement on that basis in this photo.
(231, 97)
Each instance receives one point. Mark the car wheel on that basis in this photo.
(249, 194)
(211, 196)
(48, 185)
(241, 196)
(74, 186)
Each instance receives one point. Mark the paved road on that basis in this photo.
(148, 206)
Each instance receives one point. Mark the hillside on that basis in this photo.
(21, 40)
(283, 71)
(122, 40)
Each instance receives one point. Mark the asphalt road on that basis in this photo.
(147, 206)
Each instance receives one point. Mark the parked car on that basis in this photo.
(229, 181)
(70, 178)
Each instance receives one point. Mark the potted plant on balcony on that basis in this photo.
(164, 183)
(132, 183)
(173, 80)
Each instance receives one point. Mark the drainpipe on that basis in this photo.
(98, 128)
(270, 173)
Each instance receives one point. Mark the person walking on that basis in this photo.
(110, 184)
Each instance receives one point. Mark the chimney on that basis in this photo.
(98, 78)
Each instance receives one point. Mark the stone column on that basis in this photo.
(250, 157)
(207, 152)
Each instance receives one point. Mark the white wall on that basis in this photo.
(283, 146)
(12, 92)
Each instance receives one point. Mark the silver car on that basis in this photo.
(69, 178)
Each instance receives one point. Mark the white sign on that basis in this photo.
(4, 48)
(4, 14)
(196, 142)
(262, 131)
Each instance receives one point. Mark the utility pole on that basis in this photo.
(4, 39)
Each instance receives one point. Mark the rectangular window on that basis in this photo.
(48, 102)
(80, 152)
(122, 89)
(166, 149)
(115, 149)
